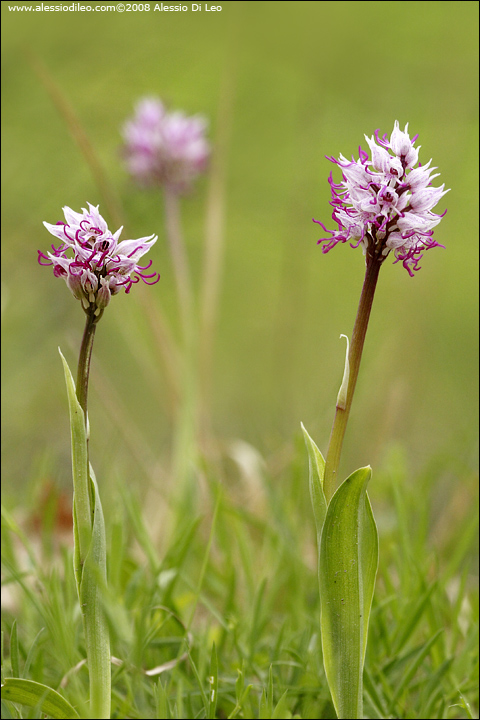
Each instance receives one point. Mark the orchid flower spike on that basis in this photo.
(384, 203)
(165, 149)
(92, 261)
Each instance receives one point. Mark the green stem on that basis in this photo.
(83, 375)
(332, 461)
(84, 362)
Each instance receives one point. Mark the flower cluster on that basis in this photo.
(385, 203)
(164, 148)
(92, 261)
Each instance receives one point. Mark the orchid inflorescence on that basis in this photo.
(165, 148)
(92, 261)
(385, 203)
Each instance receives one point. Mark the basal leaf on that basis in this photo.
(348, 567)
(34, 694)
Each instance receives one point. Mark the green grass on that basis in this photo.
(282, 87)
(243, 579)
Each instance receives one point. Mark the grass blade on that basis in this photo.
(78, 133)
(161, 701)
(14, 650)
(423, 652)
(408, 626)
(213, 680)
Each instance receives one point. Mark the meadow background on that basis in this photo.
(283, 84)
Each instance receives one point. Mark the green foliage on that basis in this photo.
(422, 655)
(348, 567)
(246, 582)
(316, 470)
(347, 541)
(283, 303)
(38, 696)
(90, 553)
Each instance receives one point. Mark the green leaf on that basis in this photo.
(348, 567)
(465, 705)
(33, 694)
(32, 652)
(263, 713)
(97, 640)
(412, 669)
(411, 620)
(14, 650)
(242, 695)
(316, 471)
(90, 557)
(270, 692)
(81, 482)
(375, 694)
(281, 710)
(161, 701)
(433, 689)
(200, 686)
(213, 680)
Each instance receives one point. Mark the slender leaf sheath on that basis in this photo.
(316, 471)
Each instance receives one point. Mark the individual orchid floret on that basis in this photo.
(384, 203)
(92, 261)
(165, 149)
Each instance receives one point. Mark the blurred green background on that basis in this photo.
(283, 84)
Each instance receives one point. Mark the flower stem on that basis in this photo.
(83, 375)
(84, 362)
(92, 562)
(332, 461)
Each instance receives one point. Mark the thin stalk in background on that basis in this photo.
(79, 134)
(215, 243)
(184, 450)
(168, 150)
